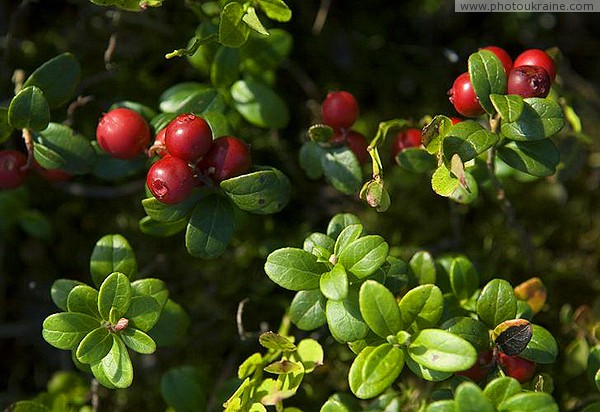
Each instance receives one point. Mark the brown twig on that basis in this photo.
(321, 17)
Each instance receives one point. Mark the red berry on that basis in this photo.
(170, 180)
(339, 110)
(528, 81)
(357, 142)
(455, 120)
(480, 369)
(537, 57)
(504, 57)
(12, 174)
(188, 137)
(160, 146)
(123, 133)
(228, 157)
(405, 139)
(462, 96)
(339, 137)
(52, 175)
(516, 367)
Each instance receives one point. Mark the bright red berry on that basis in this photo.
(228, 157)
(12, 174)
(170, 180)
(516, 367)
(504, 57)
(405, 139)
(528, 81)
(188, 137)
(357, 142)
(463, 97)
(537, 57)
(339, 110)
(123, 133)
(455, 120)
(480, 369)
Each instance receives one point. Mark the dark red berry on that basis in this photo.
(12, 173)
(480, 369)
(504, 57)
(463, 97)
(170, 180)
(52, 175)
(123, 133)
(339, 110)
(537, 57)
(188, 137)
(159, 146)
(357, 142)
(228, 157)
(528, 81)
(516, 367)
(405, 139)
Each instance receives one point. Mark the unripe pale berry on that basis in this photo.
(188, 137)
(123, 133)
(12, 174)
(339, 110)
(170, 180)
(463, 97)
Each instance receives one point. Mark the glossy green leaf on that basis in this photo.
(423, 267)
(540, 118)
(29, 109)
(338, 222)
(149, 226)
(471, 330)
(347, 236)
(320, 133)
(83, 299)
(375, 369)
(447, 405)
(468, 139)
(60, 291)
(264, 53)
(529, 402)
(487, 77)
(310, 353)
(259, 104)
(539, 158)
(27, 406)
(342, 170)
(276, 10)
(143, 312)
(5, 128)
(509, 106)
(283, 366)
(65, 330)
(379, 309)
(345, 320)
(112, 253)
(416, 160)
(340, 402)
(320, 240)
(446, 184)
(58, 146)
(95, 345)
(364, 256)
(225, 68)
(310, 160)
(264, 191)
(469, 397)
(542, 347)
(172, 326)
(252, 20)
(440, 350)
(421, 307)
(181, 96)
(233, 31)
(307, 310)
(129, 5)
(501, 389)
(162, 212)
(294, 269)
(334, 284)
(218, 122)
(114, 296)
(115, 369)
(58, 78)
(433, 133)
(250, 365)
(496, 303)
(463, 277)
(185, 388)
(153, 287)
(272, 340)
(138, 341)
(426, 373)
(210, 228)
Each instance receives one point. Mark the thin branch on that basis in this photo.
(238, 318)
(321, 17)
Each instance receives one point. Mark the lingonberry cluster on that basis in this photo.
(339, 110)
(530, 75)
(487, 361)
(15, 168)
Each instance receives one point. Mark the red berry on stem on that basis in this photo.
(339, 110)
(170, 180)
(463, 97)
(123, 133)
(405, 139)
(516, 367)
(188, 137)
(12, 174)
(228, 157)
(528, 81)
(480, 369)
(357, 142)
(537, 57)
(504, 57)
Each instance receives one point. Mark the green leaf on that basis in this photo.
(542, 348)
(262, 54)
(344, 319)
(310, 160)
(320, 240)
(470, 398)
(294, 269)
(446, 184)
(138, 341)
(364, 256)
(252, 20)
(539, 158)
(185, 388)
(509, 106)
(172, 326)
(334, 284)
(147, 112)
(143, 312)
(423, 267)
(468, 139)
(540, 118)
(272, 340)
(58, 146)
(250, 365)
(265, 191)
(487, 77)
(60, 291)
(347, 236)
(210, 228)
(416, 160)
(342, 170)
(501, 389)
(35, 223)
(233, 31)
(152, 227)
(447, 405)
(5, 128)
(310, 353)
(27, 406)
(307, 310)
(375, 369)
(426, 373)
(434, 133)
(529, 402)
(65, 330)
(421, 307)
(112, 253)
(58, 78)
(29, 109)
(471, 330)
(259, 104)
(129, 5)
(440, 350)
(95, 345)
(155, 288)
(114, 296)
(320, 133)
(283, 366)
(189, 97)
(463, 278)
(162, 212)
(275, 10)
(379, 309)
(340, 402)
(338, 222)
(83, 299)
(225, 68)
(115, 369)
(496, 303)
(593, 366)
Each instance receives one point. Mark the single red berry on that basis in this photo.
(504, 57)
(339, 137)
(537, 57)
(528, 81)
(516, 367)
(455, 120)
(170, 180)
(12, 174)
(160, 146)
(228, 157)
(480, 369)
(405, 139)
(123, 133)
(339, 110)
(463, 97)
(357, 142)
(188, 137)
